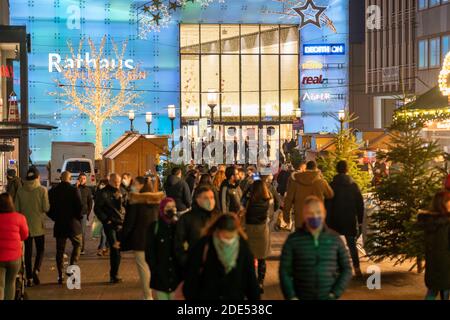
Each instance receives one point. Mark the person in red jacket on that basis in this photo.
(13, 230)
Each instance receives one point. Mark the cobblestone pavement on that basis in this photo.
(396, 282)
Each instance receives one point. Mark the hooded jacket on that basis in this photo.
(32, 201)
(346, 209)
(142, 210)
(178, 189)
(301, 186)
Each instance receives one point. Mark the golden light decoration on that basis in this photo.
(444, 84)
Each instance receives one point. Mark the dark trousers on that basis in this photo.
(351, 244)
(39, 241)
(114, 254)
(261, 270)
(61, 248)
(432, 294)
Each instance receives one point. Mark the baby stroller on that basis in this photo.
(21, 281)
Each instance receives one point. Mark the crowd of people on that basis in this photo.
(205, 233)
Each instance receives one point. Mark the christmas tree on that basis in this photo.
(346, 148)
(417, 172)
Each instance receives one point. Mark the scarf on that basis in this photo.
(227, 253)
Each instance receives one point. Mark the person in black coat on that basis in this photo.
(191, 224)
(142, 211)
(179, 190)
(346, 211)
(109, 209)
(66, 212)
(436, 226)
(86, 205)
(221, 265)
(283, 178)
(160, 253)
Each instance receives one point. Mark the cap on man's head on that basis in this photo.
(32, 174)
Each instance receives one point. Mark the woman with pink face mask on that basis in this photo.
(221, 266)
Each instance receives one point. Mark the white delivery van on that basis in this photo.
(75, 157)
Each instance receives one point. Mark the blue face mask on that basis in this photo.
(315, 222)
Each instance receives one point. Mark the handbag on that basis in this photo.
(97, 227)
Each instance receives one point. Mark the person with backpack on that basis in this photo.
(160, 253)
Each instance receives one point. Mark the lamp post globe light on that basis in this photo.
(341, 116)
(172, 115)
(131, 117)
(148, 120)
(213, 97)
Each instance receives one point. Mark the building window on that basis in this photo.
(423, 4)
(445, 46)
(433, 3)
(423, 54)
(435, 52)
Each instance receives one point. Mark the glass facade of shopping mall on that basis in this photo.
(253, 67)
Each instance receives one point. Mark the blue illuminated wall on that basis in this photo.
(46, 21)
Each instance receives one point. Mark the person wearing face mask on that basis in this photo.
(142, 211)
(314, 264)
(160, 254)
(221, 266)
(230, 194)
(125, 185)
(191, 224)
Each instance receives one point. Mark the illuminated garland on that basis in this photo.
(444, 84)
(157, 14)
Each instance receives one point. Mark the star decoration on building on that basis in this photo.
(309, 13)
(174, 5)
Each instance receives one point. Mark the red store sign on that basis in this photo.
(6, 72)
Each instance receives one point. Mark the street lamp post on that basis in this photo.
(341, 116)
(172, 116)
(212, 103)
(131, 117)
(148, 120)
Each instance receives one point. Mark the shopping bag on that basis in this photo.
(97, 228)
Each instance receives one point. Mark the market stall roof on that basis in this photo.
(432, 99)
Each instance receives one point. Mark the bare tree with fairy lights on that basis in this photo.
(98, 86)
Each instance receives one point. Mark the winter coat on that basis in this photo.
(13, 185)
(189, 231)
(32, 201)
(301, 186)
(86, 200)
(346, 209)
(310, 272)
(142, 210)
(160, 256)
(282, 179)
(109, 207)
(257, 227)
(190, 180)
(230, 198)
(178, 189)
(437, 250)
(13, 230)
(206, 278)
(65, 210)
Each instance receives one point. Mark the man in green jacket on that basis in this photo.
(32, 201)
(314, 263)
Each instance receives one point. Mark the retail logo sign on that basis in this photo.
(312, 65)
(313, 80)
(6, 72)
(323, 96)
(324, 49)
(55, 62)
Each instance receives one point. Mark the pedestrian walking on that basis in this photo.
(142, 211)
(160, 253)
(32, 201)
(191, 224)
(13, 183)
(176, 188)
(257, 226)
(86, 206)
(283, 178)
(218, 179)
(66, 212)
(346, 211)
(13, 230)
(314, 262)
(102, 249)
(301, 186)
(436, 225)
(230, 193)
(221, 266)
(109, 207)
